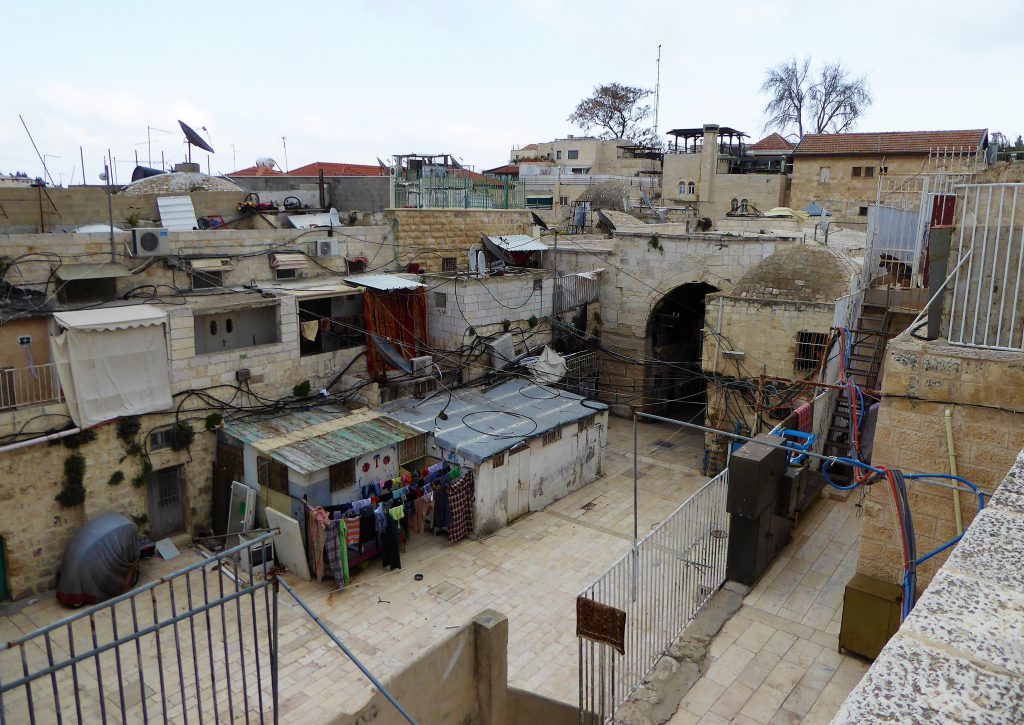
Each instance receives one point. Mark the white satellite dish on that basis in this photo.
(335, 219)
(472, 259)
(481, 263)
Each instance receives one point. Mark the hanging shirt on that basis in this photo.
(460, 501)
(351, 531)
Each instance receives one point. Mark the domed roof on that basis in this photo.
(180, 182)
(808, 272)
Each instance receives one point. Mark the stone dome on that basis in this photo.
(180, 182)
(808, 272)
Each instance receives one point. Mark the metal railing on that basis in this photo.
(444, 192)
(573, 290)
(660, 584)
(29, 386)
(986, 305)
(199, 645)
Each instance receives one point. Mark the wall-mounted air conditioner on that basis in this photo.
(421, 365)
(329, 248)
(151, 242)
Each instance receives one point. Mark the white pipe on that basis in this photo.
(952, 469)
(33, 441)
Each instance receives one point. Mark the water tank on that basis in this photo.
(144, 172)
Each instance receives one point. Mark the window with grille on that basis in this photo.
(809, 347)
(343, 475)
(272, 474)
(441, 300)
(207, 280)
(448, 264)
(552, 436)
(498, 460)
(585, 423)
(412, 449)
(856, 171)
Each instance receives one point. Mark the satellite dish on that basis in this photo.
(194, 139)
(472, 259)
(335, 219)
(266, 162)
(481, 262)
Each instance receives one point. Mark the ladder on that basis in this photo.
(866, 356)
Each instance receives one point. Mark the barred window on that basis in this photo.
(498, 460)
(448, 264)
(809, 347)
(343, 475)
(272, 474)
(585, 423)
(552, 436)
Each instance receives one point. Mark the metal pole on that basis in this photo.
(636, 498)
(81, 153)
(110, 215)
(273, 651)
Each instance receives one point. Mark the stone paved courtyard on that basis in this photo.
(530, 571)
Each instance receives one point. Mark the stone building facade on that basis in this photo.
(439, 239)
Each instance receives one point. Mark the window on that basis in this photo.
(441, 300)
(883, 170)
(824, 174)
(356, 265)
(242, 327)
(272, 474)
(339, 324)
(574, 154)
(207, 280)
(538, 284)
(856, 172)
(552, 436)
(735, 204)
(284, 274)
(585, 423)
(862, 211)
(691, 188)
(448, 264)
(563, 201)
(809, 348)
(343, 475)
(412, 449)
(559, 154)
(498, 460)
(161, 438)
(869, 171)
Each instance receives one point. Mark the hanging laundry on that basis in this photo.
(805, 418)
(352, 531)
(337, 552)
(316, 521)
(419, 517)
(392, 558)
(310, 329)
(460, 501)
(442, 514)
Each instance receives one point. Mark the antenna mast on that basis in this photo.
(657, 93)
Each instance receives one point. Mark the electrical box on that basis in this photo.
(754, 543)
(755, 474)
(792, 491)
(871, 615)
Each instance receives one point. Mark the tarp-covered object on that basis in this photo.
(101, 562)
(112, 361)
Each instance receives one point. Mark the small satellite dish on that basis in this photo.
(335, 219)
(194, 139)
(103, 176)
(266, 162)
(472, 259)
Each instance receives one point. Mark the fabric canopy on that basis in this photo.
(112, 362)
(288, 261)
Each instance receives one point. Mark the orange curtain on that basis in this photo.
(400, 317)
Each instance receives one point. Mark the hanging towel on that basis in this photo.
(351, 531)
(337, 552)
(805, 417)
(419, 516)
(310, 329)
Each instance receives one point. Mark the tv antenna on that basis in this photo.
(194, 139)
(149, 142)
(657, 94)
(42, 159)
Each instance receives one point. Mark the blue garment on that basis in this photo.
(369, 489)
(380, 522)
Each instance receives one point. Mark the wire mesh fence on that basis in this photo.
(661, 584)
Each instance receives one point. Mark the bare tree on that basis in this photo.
(830, 101)
(616, 109)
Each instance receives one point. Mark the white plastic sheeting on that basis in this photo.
(549, 368)
(112, 361)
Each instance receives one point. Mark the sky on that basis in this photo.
(352, 81)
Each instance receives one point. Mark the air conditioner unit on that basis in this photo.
(329, 248)
(421, 365)
(151, 242)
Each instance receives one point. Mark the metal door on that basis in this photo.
(166, 513)
(518, 482)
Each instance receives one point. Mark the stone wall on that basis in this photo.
(344, 193)
(844, 194)
(426, 236)
(984, 389)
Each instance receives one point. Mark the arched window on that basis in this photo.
(691, 188)
(682, 187)
(735, 204)
(743, 206)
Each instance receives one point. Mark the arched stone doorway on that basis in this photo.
(674, 382)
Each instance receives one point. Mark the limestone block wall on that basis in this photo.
(426, 236)
(844, 194)
(985, 392)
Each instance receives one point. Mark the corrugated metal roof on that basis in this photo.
(518, 243)
(177, 213)
(311, 440)
(384, 282)
(493, 429)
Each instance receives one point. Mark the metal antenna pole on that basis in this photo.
(42, 160)
(657, 93)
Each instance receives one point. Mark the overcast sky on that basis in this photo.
(351, 81)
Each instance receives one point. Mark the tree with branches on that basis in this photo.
(616, 110)
(800, 100)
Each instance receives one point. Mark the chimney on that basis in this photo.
(194, 168)
(708, 165)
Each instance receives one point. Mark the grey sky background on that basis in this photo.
(351, 81)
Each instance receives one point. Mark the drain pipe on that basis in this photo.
(42, 439)
(957, 513)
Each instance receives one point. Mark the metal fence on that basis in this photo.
(986, 305)
(449, 192)
(199, 645)
(660, 584)
(573, 290)
(36, 385)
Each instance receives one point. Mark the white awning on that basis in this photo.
(285, 260)
(111, 318)
(384, 282)
(518, 243)
(214, 264)
(308, 288)
(103, 270)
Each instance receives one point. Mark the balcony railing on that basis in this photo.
(36, 385)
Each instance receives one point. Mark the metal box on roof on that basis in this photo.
(755, 473)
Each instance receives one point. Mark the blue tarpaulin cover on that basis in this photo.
(101, 562)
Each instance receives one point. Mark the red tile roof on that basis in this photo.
(528, 147)
(333, 169)
(256, 171)
(506, 170)
(893, 142)
(775, 142)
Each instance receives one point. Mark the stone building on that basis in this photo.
(841, 171)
